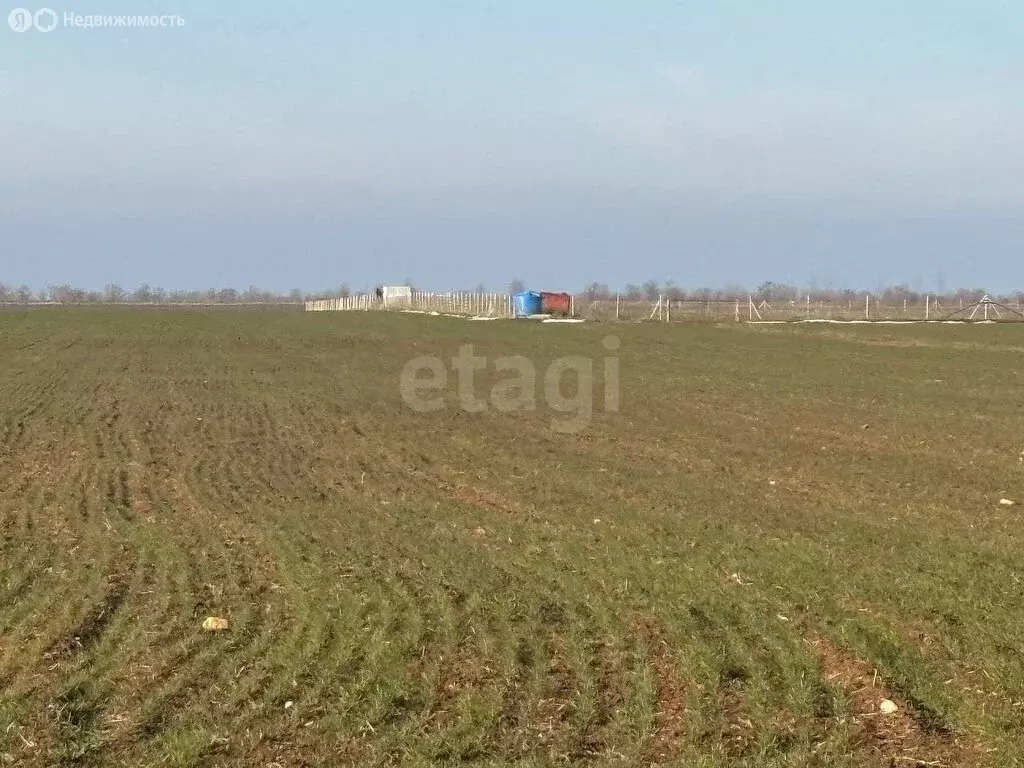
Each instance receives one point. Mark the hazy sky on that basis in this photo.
(561, 141)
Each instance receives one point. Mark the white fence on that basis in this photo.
(746, 309)
(362, 301)
(472, 304)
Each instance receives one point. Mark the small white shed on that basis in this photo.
(397, 295)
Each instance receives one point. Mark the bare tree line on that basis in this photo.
(144, 294)
(651, 290)
(113, 293)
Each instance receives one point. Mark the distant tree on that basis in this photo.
(227, 296)
(770, 291)
(894, 295)
(143, 294)
(23, 295)
(650, 290)
(480, 288)
(65, 294)
(703, 294)
(673, 291)
(516, 285)
(295, 296)
(633, 292)
(114, 294)
(596, 291)
(344, 291)
(968, 295)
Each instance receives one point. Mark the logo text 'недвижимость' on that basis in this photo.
(47, 20)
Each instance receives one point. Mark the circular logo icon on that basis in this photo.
(45, 19)
(20, 20)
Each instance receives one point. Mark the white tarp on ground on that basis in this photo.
(874, 322)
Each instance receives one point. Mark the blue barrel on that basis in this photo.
(526, 303)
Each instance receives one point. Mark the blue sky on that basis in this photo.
(457, 143)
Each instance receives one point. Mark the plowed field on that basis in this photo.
(778, 530)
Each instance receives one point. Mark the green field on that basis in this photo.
(780, 528)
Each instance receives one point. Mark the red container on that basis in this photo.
(555, 303)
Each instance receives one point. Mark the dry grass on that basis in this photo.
(794, 523)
